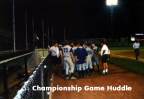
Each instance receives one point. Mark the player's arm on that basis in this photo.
(72, 56)
(49, 51)
(75, 55)
(102, 50)
(134, 45)
(61, 53)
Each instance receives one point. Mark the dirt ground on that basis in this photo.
(117, 76)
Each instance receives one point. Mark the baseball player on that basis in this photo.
(73, 50)
(95, 57)
(80, 56)
(68, 61)
(54, 55)
(89, 57)
(136, 47)
(105, 52)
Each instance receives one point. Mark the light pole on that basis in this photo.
(48, 31)
(64, 34)
(42, 22)
(26, 30)
(52, 32)
(13, 20)
(111, 4)
(43, 31)
(33, 33)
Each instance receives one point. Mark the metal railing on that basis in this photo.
(40, 77)
(4, 70)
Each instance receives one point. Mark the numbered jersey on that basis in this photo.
(67, 50)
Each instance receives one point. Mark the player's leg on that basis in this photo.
(66, 69)
(80, 70)
(103, 64)
(106, 64)
(137, 54)
(104, 68)
(90, 64)
(71, 64)
(97, 63)
(86, 70)
(94, 63)
(83, 70)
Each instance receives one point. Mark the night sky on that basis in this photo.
(79, 18)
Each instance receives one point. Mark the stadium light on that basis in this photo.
(111, 2)
(13, 25)
(132, 39)
(26, 30)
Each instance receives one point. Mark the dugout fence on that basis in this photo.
(41, 76)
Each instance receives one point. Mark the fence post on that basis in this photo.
(5, 81)
(46, 77)
(42, 81)
(26, 70)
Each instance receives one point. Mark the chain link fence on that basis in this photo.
(40, 77)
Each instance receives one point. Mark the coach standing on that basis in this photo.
(105, 53)
(54, 56)
(136, 47)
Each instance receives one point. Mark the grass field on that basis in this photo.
(128, 53)
(126, 59)
(124, 48)
(132, 65)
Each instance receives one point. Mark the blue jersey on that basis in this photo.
(81, 54)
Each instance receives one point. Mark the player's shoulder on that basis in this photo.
(67, 46)
(78, 49)
(105, 46)
(52, 47)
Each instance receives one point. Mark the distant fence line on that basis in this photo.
(10, 59)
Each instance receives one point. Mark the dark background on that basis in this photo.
(80, 19)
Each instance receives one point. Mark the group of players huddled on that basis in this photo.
(80, 59)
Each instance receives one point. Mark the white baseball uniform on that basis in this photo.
(68, 63)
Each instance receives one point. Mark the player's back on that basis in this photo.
(74, 48)
(67, 50)
(81, 54)
(89, 50)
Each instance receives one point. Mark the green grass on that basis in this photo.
(132, 65)
(124, 48)
(121, 48)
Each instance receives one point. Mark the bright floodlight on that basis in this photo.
(111, 2)
(133, 39)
